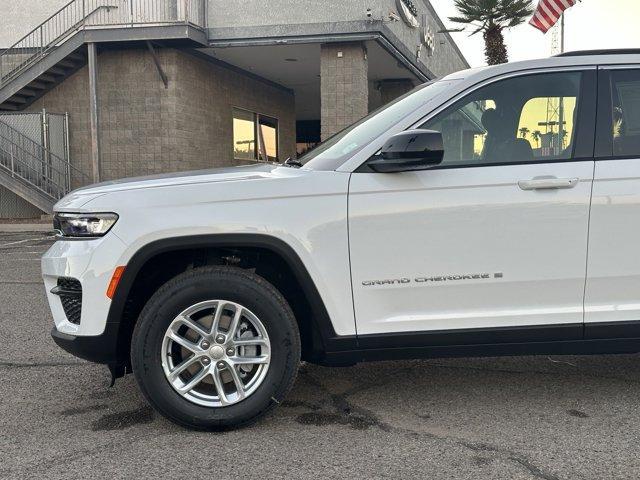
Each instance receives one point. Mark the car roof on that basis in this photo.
(619, 51)
(568, 59)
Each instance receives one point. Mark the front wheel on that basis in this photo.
(215, 348)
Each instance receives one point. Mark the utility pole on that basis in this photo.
(561, 103)
(555, 106)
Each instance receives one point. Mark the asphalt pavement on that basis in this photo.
(493, 418)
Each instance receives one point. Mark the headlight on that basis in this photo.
(84, 224)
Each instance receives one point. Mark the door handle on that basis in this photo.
(547, 183)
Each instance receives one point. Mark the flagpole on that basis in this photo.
(562, 33)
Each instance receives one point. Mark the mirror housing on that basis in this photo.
(410, 150)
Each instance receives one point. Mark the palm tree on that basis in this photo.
(524, 131)
(536, 134)
(563, 137)
(491, 17)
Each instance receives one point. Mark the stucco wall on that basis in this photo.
(329, 16)
(147, 129)
(446, 57)
(308, 16)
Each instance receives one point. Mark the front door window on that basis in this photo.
(524, 119)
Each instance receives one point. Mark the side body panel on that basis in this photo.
(613, 283)
(612, 293)
(307, 210)
(467, 248)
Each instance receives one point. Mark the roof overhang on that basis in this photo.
(295, 65)
(326, 32)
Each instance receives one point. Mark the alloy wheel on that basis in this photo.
(216, 353)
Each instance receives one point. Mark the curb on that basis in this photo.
(25, 227)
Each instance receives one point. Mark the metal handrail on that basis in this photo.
(36, 165)
(81, 14)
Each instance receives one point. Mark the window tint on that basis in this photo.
(524, 119)
(625, 94)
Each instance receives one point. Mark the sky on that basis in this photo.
(590, 24)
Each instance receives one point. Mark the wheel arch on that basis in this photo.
(169, 256)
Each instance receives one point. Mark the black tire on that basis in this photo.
(207, 283)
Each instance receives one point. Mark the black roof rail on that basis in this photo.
(614, 51)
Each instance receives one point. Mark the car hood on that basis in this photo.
(83, 195)
(181, 178)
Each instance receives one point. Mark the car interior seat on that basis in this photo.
(501, 145)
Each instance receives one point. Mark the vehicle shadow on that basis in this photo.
(388, 394)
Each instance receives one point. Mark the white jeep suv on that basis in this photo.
(492, 212)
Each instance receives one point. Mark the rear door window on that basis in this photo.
(625, 99)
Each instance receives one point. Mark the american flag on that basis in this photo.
(548, 13)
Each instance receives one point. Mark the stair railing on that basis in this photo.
(80, 14)
(36, 165)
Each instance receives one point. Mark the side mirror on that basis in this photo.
(409, 150)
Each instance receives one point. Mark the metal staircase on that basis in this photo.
(34, 172)
(26, 94)
(56, 49)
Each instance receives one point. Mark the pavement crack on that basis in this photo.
(532, 469)
(516, 457)
(10, 364)
(345, 413)
(534, 372)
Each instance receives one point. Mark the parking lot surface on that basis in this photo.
(494, 418)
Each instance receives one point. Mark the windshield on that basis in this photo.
(337, 149)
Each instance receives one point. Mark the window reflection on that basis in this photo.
(626, 112)
(244, 138)
(522, 119)
(269, 136)
(255, 136)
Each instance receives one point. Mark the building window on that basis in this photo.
(307, 136)
(244, 135)
(255, 136)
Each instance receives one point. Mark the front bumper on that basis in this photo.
(99, 349)
(92, 263)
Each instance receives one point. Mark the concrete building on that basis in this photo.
(152, 86)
